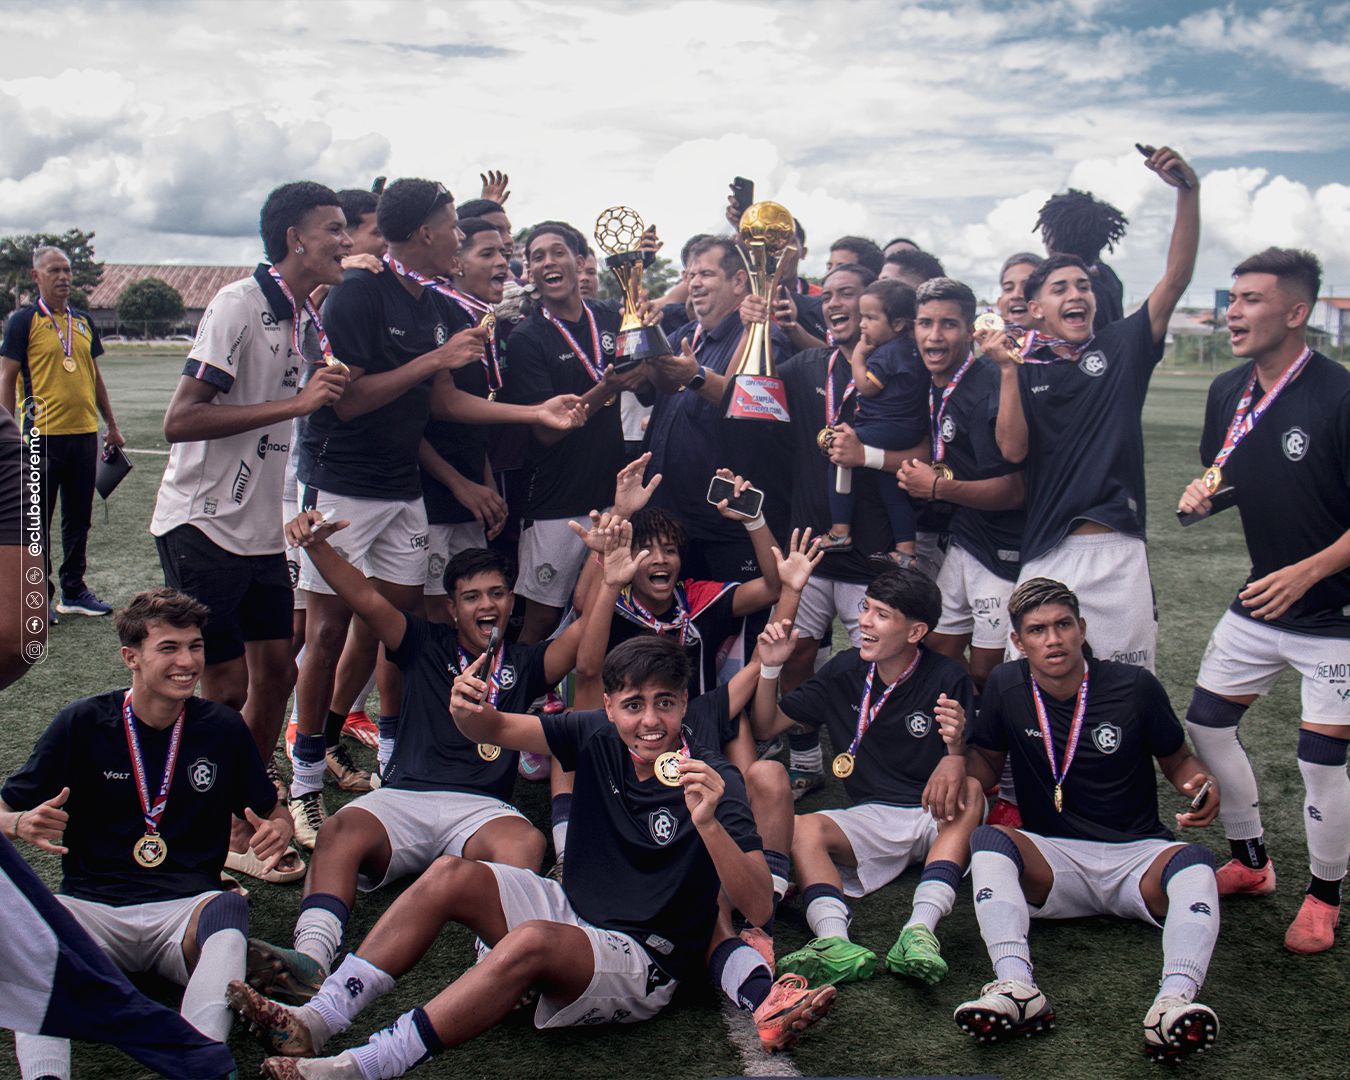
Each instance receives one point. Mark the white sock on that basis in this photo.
(1219, 748)
(295, 700)
(41, 1055)
(806, 760)
(318, 934)
(560, 837)
(827, 916)
(741, 964)
(1190, 929)
(384, 750)
(1006, 791)
(221, 961)
(308, 764)
(393, 1051)
(1001, 910)
(1326, 816)
(359, 705)
(932, 901)
(354, 985)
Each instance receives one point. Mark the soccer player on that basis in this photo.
(1083, 734)
(855, 250)
(1077, 224)
(912, 267)
(1070, 407)
(910, 798)
(1012, 300)
(134, 789)
(633, 916)
(1277, 429)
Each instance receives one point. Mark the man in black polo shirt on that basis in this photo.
(1070, 407)
(889, 707)
(135, 789)
(565, 347)
(633, 916)
(441, 794)
(1292, 475)
(1083, 734)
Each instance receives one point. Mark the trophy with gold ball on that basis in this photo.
(618, 232)
(768, 232)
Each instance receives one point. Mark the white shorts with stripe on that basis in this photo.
(885, 841)
(1093, 878)
(974, 600)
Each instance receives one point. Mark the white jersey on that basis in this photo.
(231, 488)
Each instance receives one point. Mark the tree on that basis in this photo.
(150, 303)
(657, 279)
(16, 263)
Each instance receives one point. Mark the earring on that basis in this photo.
(299, 249)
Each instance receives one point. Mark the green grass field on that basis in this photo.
(1279, 1013)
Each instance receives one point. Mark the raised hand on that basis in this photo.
(776, 642)
(703, 787)
(468, 693)
(45, 824)
(738, 485)
(495, 186)
(804, 555)
(310, 526)
(630, 493)
(270, 839)
(621, 565)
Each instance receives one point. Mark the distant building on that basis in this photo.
(1333, 315)
(195, 284)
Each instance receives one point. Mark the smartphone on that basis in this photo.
(1148, 151)
(1221, 500)
(1201, 795)
(744, 190)
(493, 639)
(750, 501)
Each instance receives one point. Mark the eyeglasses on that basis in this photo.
(436, 201)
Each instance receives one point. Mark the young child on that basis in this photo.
(891, 383)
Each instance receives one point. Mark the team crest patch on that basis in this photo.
(948, 429)
(506, 677)
(293, 572)
(662, 825)
(1295, 443)
(607, 342)
(545, 574)
(202, 774)
(436, 566)
(1093, 363)
(919, 724)
(1106, 738)
(442, 334)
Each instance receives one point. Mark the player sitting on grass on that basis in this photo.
(1082, 734)
(666, 824)
(135, 790)
(442, 793)
(906, 778)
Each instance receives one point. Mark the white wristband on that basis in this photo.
(756, 522)
(874, 457)
(770, 671)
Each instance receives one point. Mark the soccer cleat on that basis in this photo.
(803, 783)
(831, 960)
(759, 940)
(1004, 813)
(308, 813)
(1005, 1009)
(791, 1007)
(1175, 1027)
(274, 774)
(342, 1067)
(362, 728)
(1238, 879)
(534, 767)
(772, 748)
(291, 1032)
(344, 770)
(553, 703)
(916, 955)
(285, 975)
(1314, 927)
(83, 603)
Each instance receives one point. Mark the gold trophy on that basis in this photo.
(618, 232)
(768, 232)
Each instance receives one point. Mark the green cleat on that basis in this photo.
(830, 961)
(915, 954)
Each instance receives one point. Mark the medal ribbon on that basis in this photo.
(151, 813)
(632, 607)
(309, 309)
(1075, 729)
(594, 369)
(936, 411)
(471, 305)
(832, 414)
(494, 690)
(1037, 341)
(867, 713)
(1245, 418)
(68, 338)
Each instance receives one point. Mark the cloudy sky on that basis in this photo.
(163, 127)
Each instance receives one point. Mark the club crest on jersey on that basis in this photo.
(919, 724)
(202, 774)
(662, 825)
(607, 342)
(507, 676)
(1295, 443)
(948, 429)
(442, 334)
(1093, 363)
(435, 566)
(1106, 738)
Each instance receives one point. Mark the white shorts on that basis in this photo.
(550, 559)
(617, 993)
(974, 600)
(386, 540)
(423, 825)
(931, 549)
(1093, 878)
(822, 600)
(290, 507)
(1109, 572)
(1247, 657)
(885, 840)
(140, 937)
(444, 542)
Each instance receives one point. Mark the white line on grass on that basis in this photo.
(754, 1061)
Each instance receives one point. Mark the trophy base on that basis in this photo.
(641, 343)
(758, 397)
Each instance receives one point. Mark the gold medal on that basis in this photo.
(842, 766)
(69, 364)
(668, 768)
(488, 752)
(150, 850)
(824, 438)
(333, 361)
(989, 320)
(1212, 479)
(1059, 799)
(492, 395)
(489, 323)
(943, 471)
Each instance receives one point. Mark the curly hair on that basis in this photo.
(1075, 223)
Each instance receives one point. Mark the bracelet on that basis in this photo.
(933, 495)
(874, 457)
(16, 823)
(770, 671)
(756, 522)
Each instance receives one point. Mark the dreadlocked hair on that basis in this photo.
(1037, 592)
(1077, 224)
(651, 524)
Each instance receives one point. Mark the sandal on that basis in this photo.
(290, 868)
(231, 885)
(832, 541)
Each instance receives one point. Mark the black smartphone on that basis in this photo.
(1201, 795)
(750, 501)
(744, 190)
(1148, 151)
(1221, 500)
(492, 641)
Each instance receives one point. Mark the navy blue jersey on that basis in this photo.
(1110, 793)
(708, 716)
(902, 404)
(431, 754)
(637, 864)
(712, 621)
(217, 775)
(1292, 474)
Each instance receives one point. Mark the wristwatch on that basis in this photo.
(698, 379)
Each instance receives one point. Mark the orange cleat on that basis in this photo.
(762, 943)
(362, 728)
(1314, 927)
(1238, 879)
(790, 1009)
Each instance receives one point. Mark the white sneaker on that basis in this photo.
(342, 1067)
(308, 813)
(1175, 1027)
(1005, 1009)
